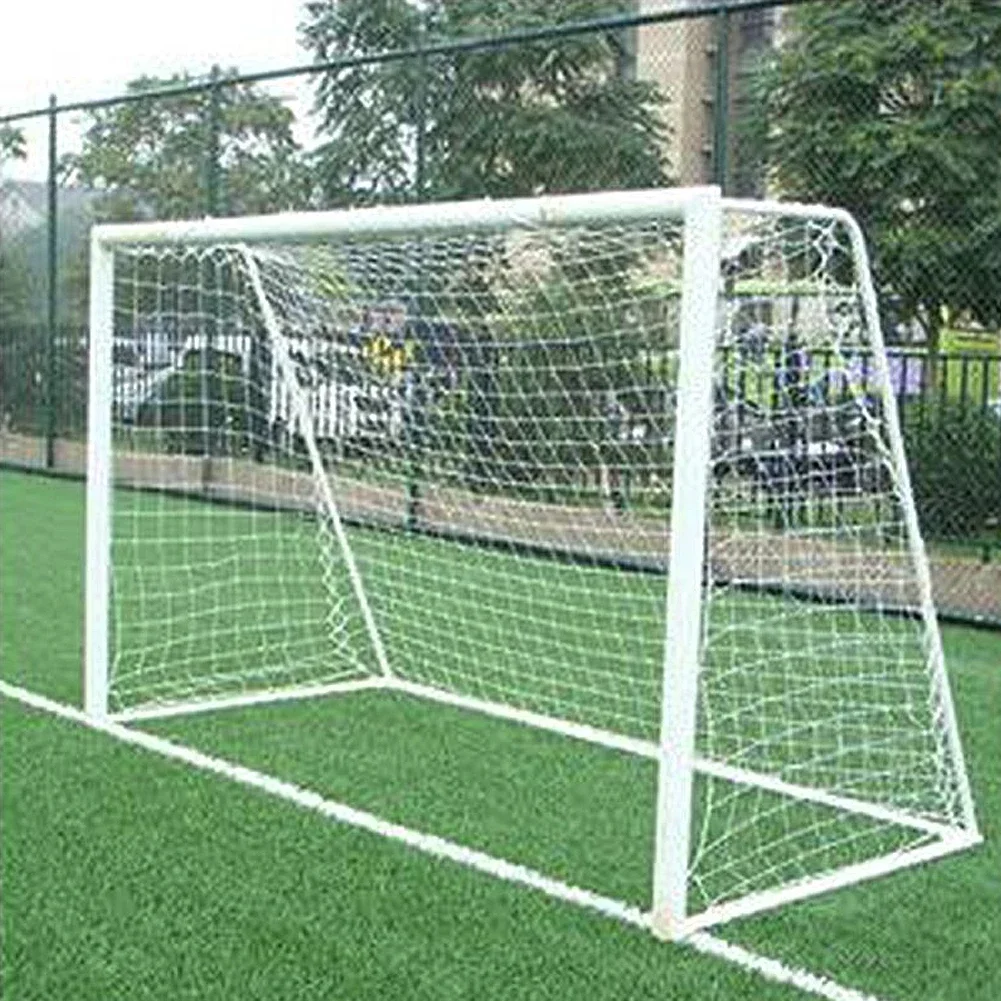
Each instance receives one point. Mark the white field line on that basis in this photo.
(309, 800)
(769, 969)
(772, 969)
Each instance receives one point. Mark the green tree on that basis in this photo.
(553, 116)
(12, 145)
(14, 274)
(560, 115)
(892, 109)
(21, 285)
(953, 457)
(151, 157)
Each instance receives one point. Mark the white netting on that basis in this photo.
(225, 574)
(494, 414)
(817, 665)
(507, 391)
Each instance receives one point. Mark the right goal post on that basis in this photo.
(625, 467)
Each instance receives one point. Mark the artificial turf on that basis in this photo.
(128, 876)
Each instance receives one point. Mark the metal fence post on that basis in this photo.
(414, 394)
(52, 289)
(209, 377)
(721, 102)
(213, 145)
(420, 114)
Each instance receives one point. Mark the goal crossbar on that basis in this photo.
(435, 217)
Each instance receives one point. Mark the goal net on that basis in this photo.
(625, 467)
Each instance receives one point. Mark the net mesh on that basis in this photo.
(494, 414)
(817, 665)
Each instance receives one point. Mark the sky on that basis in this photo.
(87, 50)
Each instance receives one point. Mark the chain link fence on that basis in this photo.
(889, 108)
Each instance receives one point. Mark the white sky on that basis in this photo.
(86, 50)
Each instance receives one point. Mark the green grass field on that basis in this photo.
(128, 876)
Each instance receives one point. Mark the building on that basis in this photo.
(697, 62)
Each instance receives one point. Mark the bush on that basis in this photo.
(207, 407)
(954, 455)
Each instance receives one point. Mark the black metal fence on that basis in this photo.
(43, 383)
(889, 108)
(950, 415)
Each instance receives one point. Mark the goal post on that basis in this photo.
(97, 584)
(625, 467)
(942, 693)
(699, 302)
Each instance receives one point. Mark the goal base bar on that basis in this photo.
(579, 731)
(956, 841)
(649, 749)
(167, 710)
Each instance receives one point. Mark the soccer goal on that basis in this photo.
(623, 466)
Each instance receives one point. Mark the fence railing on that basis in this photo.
(950, 413)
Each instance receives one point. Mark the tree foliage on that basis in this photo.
(551, 116)
(18, 287)
(14, 275)
(152, 157)
(12, 144)
(953, 454)
(890, 108)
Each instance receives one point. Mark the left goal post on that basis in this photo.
(97, 583)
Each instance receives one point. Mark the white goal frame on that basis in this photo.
(701, 212)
